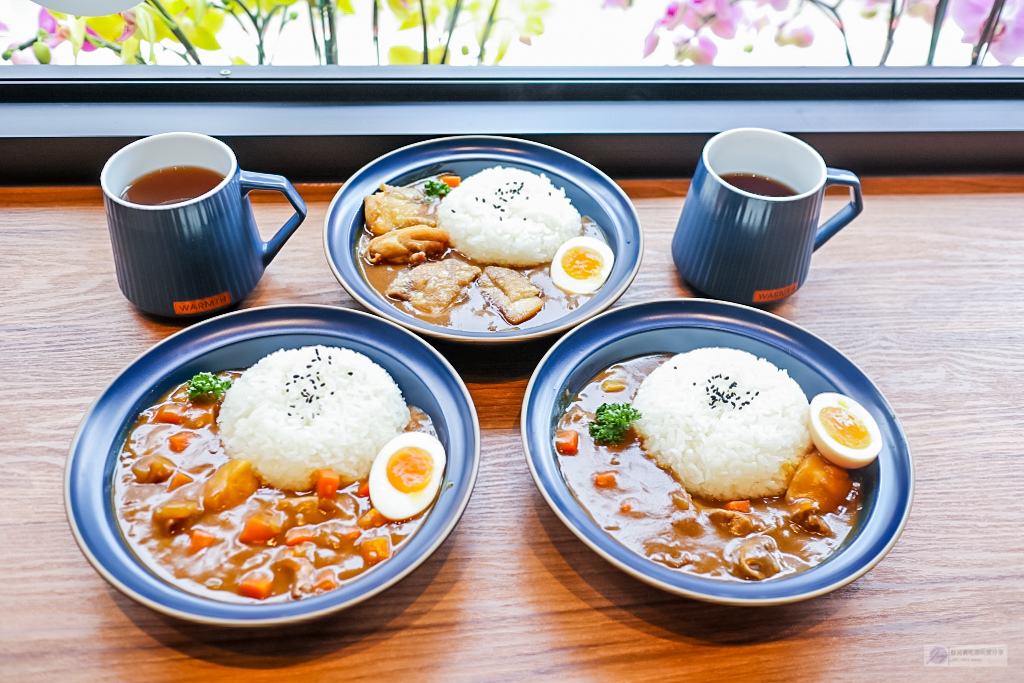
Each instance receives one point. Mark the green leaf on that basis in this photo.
(77, 28)
(204, 39)
(110, 27)
(506, 39)
(207, 387)
(345, 7)
(130, 50)
(144, 23)
(199, 11)
(403, 54)
(436, 53)
(611, 422)
(534, 26)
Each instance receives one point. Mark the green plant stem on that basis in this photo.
(940, 16)
(376, 29)
(452, 21)
(423, 20)
(176, 30)
(487, 30)
(266, 24)
(830, 12)
(116, 49)
(332, 51)
(890, 37)
(11, 50)
(978, 53)
(312, 32)
(254, 19)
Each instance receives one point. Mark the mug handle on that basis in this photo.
(266, 181)
(837, 176)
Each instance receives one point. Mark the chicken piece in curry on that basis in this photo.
(433, 287)
(398, 207)
(511, 292)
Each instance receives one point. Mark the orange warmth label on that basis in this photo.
(774, 294)
(202, 305)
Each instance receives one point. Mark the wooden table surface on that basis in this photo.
(923, 291)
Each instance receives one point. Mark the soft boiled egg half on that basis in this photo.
(406, 475)
(843, 431)
(581, 265)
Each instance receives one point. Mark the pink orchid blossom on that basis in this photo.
(799, 35)
(670, 20)
(4, 28)
(47, 21)
(727, 16)
(620, 4)
(58, 33)
(1008, 39)
(129, 25)
(777, 5)
(700, 50)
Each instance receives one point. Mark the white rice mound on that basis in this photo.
(747, 446)
(508, 217)
(269, 419)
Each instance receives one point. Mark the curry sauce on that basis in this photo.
(642, 506)
(188, 511)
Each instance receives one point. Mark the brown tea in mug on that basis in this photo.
(759, 184)
(171, 185)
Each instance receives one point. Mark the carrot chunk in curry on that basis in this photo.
(188, 509)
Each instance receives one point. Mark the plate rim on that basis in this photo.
(113, 580)
(447, 334)
(683, 591)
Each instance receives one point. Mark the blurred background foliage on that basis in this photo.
(482, 31)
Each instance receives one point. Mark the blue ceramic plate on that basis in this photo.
(679, 325)
(592, 193)
(239, 340)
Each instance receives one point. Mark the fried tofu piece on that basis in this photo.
(408, 245)
(434, 286)
(511, 292)
(397, 207)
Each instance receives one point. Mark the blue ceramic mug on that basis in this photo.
(196, 256)
(749, 248)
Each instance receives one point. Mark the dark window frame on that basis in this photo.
(58, 124)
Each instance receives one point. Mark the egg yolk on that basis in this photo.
(581, 263)
(410, 469)
(844, 427)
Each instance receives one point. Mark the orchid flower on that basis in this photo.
(699, 50)
(669, 21)
(129, 25)
(800, 35)
(1008, 39)
(727, 16)
(57, 33)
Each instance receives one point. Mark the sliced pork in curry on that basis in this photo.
(433, 286)
(511, 293)
(398, 207)
(408, 245)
